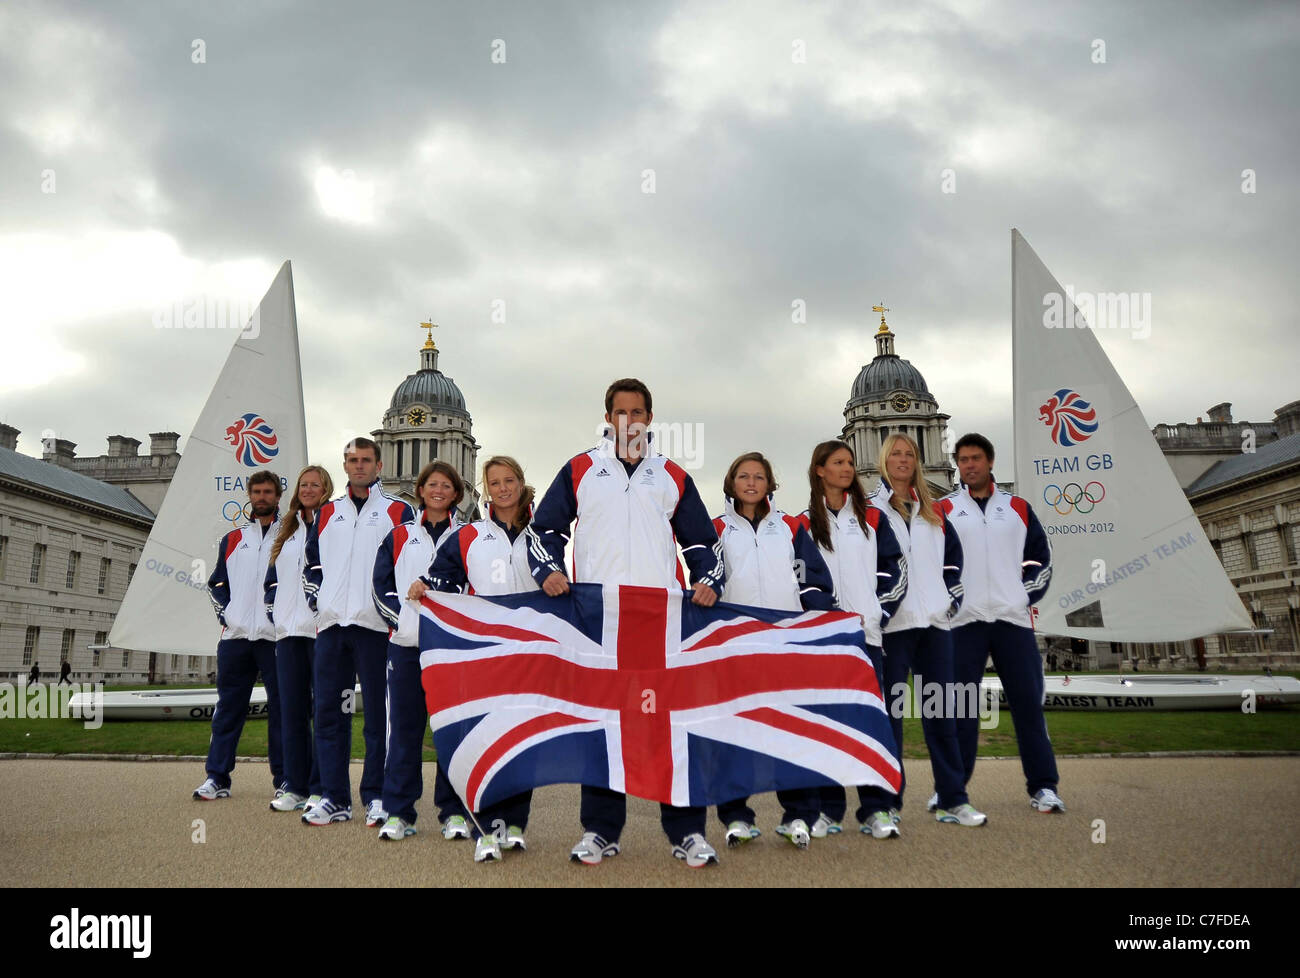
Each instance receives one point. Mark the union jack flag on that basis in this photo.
(639, 690)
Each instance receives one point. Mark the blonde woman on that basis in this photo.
(295, 640)
(917, 638)
(490, 556)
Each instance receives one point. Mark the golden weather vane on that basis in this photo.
(430, 326)
(882, 309)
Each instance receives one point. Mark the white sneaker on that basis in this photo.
(375, 814)
(738, 833)
(396, 829)
(208, 791)
(961, 815)
(1047, 800)
(327, 812)
(455, 828)
(514, 838)
(313, 801)
(824, 826)
(591, 849)
(287, 801)
(880, 825)
(933, 803)
(796, 831)
(696, 851)
(487, 849)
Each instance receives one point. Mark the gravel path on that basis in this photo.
(117, 824)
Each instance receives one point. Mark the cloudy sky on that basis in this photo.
(434, 159)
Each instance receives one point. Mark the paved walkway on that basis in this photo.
(1168, 822)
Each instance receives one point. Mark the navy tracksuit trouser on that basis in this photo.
(408, 719)
(833, 800)
(293, 668)
(1020, 667)
(344, 654)
(804, 803)
(927, 654)
(404, 741)
(605, 812)
(445, 797)
(238, 663)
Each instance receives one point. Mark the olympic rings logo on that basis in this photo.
(1074, 497)
(238, 512)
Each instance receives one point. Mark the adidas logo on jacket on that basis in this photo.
(405, 555)
(340, 562)
(480, 558)
(764, 565)
(286, 607)
(870, 572)
(236, 583)
(934, 561)
(1008, 559)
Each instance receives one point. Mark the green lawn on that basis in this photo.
(1072, 733)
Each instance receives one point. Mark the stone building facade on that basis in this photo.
(1243, 482)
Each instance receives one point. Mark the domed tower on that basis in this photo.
(890, 395)
(427, 421)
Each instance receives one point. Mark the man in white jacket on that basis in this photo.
(352, 640)
(1007, 571)
(632, 507)
(247, 644)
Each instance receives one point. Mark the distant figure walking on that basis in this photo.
(65, 671)
(34, 676)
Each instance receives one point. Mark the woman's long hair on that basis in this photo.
(289, 522)
(524, 513)
(443, 468)
(820, 522)
(927, 510)
(729, 481)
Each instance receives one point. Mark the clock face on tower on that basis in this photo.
(416, 416)
(901, 402)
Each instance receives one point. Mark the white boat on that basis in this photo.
(1159, 692)
(170, 704)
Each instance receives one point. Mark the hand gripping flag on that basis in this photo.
(638, 690)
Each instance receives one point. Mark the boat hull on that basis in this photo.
(174, 704)
(1160, 692)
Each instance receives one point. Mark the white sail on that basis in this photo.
(253, 420)
(1131, 561)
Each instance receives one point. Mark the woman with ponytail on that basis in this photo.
(917, 638)
(295, 640)
(869, 571)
